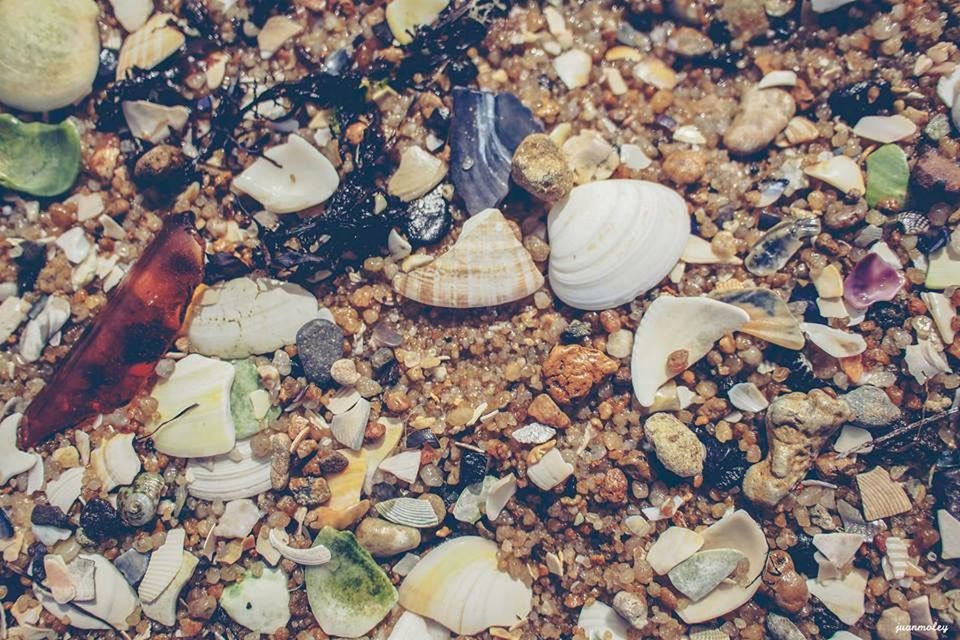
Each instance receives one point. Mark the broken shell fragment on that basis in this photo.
(674, 545)
(844, 597)
(601, 621)
(881, 496)
(231, 476)
(408, 511)
(746, 396)
(703, 572)
(113, 603)
(238, 519)
(154, 122)
(485, 267)
(550, 470)
(499, 495)
(348, 427)
(65, 490)
(677, 326)
(885, 129)
(838, 548)
(840, 172)
(259, 603)
(311, 557)
(404, 17)
(290, 177)
(410, 626)
(164, 608)
(872, 279)
(249, 316)
(418, 173)
(533, 433)
(13, 461)
(700, 251)
(149, 45)
(613, 240)
(194, 409)
(775, 248)
(459, 585)
(770, 317)
(835, 342)
(404, 466)
(115, 461)
(164, 564)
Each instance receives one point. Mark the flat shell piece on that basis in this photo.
(290, 177)
(550, 470)
(839, 548)
(261, 604)
(310, 557)
(670, 325)
(533, 433)
(949, 528)
(499, 495)
(64, 491)
(13, 461)
(674, 545)
(238, 519)
(843, 597)
(599, 620)
(205, 429)
(943, 313)
(410, 626)
(149, 45)
(249, 316)
(487, 266)
(840, 172)
(351, 594)
(770, 317)
(233, 475)
(164, 608)
(164, 564)
(408, 511)
(404, 17)
(417, 174)
(852, 438)
(881, 496)
(700, 251)
(703, 572)
(404, 466)
(115, 461)
(835, 342)
(746, 396)
(775, 247)
(459, 585)
(115, 600)
(885, 129)
(348, 427)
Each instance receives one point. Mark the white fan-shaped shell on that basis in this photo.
(348, 427)
(226, 478)
(409, 511)
(292, 177)
(115, 599)
(164, 564)
(309, 557)
(115, 461)
(405, 465)
(550, 470)
(612, 240)
(410, 626)
(485, 267)
(459, 585)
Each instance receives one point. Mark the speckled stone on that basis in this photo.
(763, 114)
(702, 572)
(319, 345)
(677, 447)
(781, 628)
(872, 406)
(541, 169)
(632, 607)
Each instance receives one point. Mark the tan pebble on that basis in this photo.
(460, 416)
(677, 447)
(279, 460)
(541, 168)
(572, 370)
(544, 410)
(763, 114)
(344, 371)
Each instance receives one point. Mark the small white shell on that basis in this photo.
(163, 609)
(348, 428)
(600, 621)
(164, 564)
(949, 528)
(404, 17)
(690, 134)
(42, 328)
(13, 461)
(115, 461)
(853, 438)
(410, 626)
(13, 311)
(573, 68)
(613, 240)
(275, 33)
(238, 519)
(778, 78)
(409, 511)
(499, 495)
(925, 361)
(843, 597)
(65, 490)
(154, 122)
(533, 433)
(747, 397)
(943, 313)
(700, 251)
(291, 177)
(229, 476)
(149, 45)
(840, 172)
(342, 400)
(885, 129)
(418, 173)
(405, 466)
(897, 559)
(550, 470)
(115, 600)
(838, 548)
(309, 557)
(674, 545)
(132, 14)
(835, 342)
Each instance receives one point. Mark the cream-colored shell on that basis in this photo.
(290, 177)
(149, 45)
(115, 461)
(230, 476)
(164, 564)
(550, 470)
(114, 601)
(612, 240)
(485, 267)
(418, 173)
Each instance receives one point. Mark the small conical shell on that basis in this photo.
(485, 267)
(149, 45)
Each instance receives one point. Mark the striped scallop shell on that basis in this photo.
(485, 267)
(409, 511)
(149, 45)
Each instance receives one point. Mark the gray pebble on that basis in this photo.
(781, 628)
(319, 345)
(132, 564)
(872, 407)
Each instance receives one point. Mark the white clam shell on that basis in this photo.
(309, 557)
(246, 316)
(835, 342)
(404, 466)
(550, 470)
(115, 461)
(292, 177)
(115, 599)
(747, 397)
(228, 476)
(164, 564)
(459, 585)
(672, 324)
(348, 427)
(601, 621)
(613, 240)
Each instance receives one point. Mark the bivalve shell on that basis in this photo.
(409, 511)
(404, 466)
(149, 45)
(163, 609)
(229, 476)
(418, 173)
(65, 490)
(613, 240)
(674, 545)
(348, 427)
(410, 626)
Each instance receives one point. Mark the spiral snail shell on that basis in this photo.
(138, 502)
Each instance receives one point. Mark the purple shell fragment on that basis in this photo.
(873, 279)
(485, 130)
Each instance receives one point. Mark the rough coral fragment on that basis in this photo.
(117, 353)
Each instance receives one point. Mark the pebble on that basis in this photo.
(781, 628)
(326, 463)
(893, 624)
(789, 588)
(163, 165)
(132, 564)
(632, 607)
(428, 219)
(763, 114)
(689, 42)
(540, 167)
(572, 370)
(938, 127)
(310, 492)
(620, 343)
(383, 539)
(677, 447)
(685, 167)
(344, 371)
(872, 406)
(702, 572)
(319, 345)
(545, 410)
(279, 460)
(936, 172)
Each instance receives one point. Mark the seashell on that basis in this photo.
(43, 327)
(601, 621)
(49, 536)
(613, 240)
(459, 585)
(154, 122)
(747, 397)
(778, 78)
(949, 528)
(164, 608)
(149, 45)
(164, 564)
(404, 466)
(921, 617)
(671, 325)
(351, 594)
(736, 530)
(275, 33)
(674, 545)
(697, 576)
(410, 626)
(485, 267)
(290, 177)
(13, 461)
(112, 605)
(499, 495)
(770, 317)
(840, 172)
(404, 17)
(418, 173)
(832, 308)
(138, 504)
(943, 313)
(230, 476)
(924, 361)
(633, 157)
(13, 311)
(775, 247)
(771, 190)
(264, 547)
(408, 511)
(853, 439)
(550, 471)
(58, 579)
(881, 496)
(206, 429)
(345, 507)
(897, 559)
(714, 634)
(835, 342)
(573, 68)
(533, 433)
(844, 597)
(115, 461)
(348, 428)
(700, 251)
(65, 490)
(590, 156)
(238, 519)
(393, 431)
(259, 603)
(485, 130)
(885, 129)
(315, 555)
(132, 14)
(838, 548)
(36, 477)
(943, 268)
(829, 282)
(49, 53)
(342, 400)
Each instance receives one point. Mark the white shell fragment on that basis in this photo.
(943, 313)
(949, 528)
(885, 129)
(309, 557)
(348, 427)
(853, 438)
(747, 397)
(573, 68)
(533, 433)
(499, 495)
(43, 327)
(13, 461)
(897, 559)
(65, 490)
(404, 466)
(114, 601)
(924, 361)
(700, 251)
(838, 548)
(13, 311)
(115, 461)
(779, 78)
(613, 240)
(674, 545)
(261, 604)
(408, 511)
(291, 177)
(672, 325)
(249, 316)
(843, 597)
(601, 621)
(164, 608)
(205, 430)
(132, 14)
(404, 17)
(418, 173)
(74, 244)
(459, 585)
(840, 172)
(835, 342)
(154, 122)
(275, 33)
(410, 626)
(485, 267)
(164, 564)
(230, 476)
(550, 470)
(238, 519)
(149, 45)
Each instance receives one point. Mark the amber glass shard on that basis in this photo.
(117, 353)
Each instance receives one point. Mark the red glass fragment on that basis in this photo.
(116, 355)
